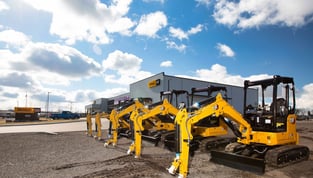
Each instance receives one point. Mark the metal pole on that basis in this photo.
(26, 100)
(48, 101)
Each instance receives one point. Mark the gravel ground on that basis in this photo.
(73, 154)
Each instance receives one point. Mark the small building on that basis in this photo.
(26, 113)
(151, 87)
(106, 104)
(98, 105)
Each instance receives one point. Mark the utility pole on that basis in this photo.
(26, 100)
(48, 101)
(71, 103)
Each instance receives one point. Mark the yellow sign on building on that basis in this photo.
(154, 83)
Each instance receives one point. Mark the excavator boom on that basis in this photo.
(118, 121)
(160, 109)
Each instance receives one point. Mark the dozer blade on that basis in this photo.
(238, 161)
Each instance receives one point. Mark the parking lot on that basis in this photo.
(64, 150)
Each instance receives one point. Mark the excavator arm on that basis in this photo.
(117, 120)
(139, 116)
(98, 117)
(98, 124)
(214, 107)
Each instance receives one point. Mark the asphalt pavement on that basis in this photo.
(75, 125)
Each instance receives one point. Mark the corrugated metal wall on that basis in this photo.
(167, 83)
(141, 88)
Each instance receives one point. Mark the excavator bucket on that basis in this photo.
(254, 165)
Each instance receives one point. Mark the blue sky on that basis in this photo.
(80, 50)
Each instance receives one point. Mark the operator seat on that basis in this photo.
(281, 114)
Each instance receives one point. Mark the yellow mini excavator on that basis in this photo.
(266, 134)
(160, 115)
(204, 132)
(120, 122)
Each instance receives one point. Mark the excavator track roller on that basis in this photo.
(215, 143)
(286, 155)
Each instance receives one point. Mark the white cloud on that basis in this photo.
(97, 49)
(6, 57)
(166, 64)
(127, 67)
(76, 100)
(195, 30)
(180, 34)
(151, 23)
(305, 98)
(91, 21)
(59, 99)
(16, 79)
(121, 26)
(81, 98)
(48, 63)
(225, 50)
(4, 6)
(122, 62)
(218, 73)
(245, 14)
(58, 59)
(14, 38)
(160, 1)
(36, 67)
(173, 45)
(203, 2)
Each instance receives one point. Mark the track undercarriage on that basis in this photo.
(254, 158)
(167, 140)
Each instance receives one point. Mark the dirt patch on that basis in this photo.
(128, 166)
(73, 154)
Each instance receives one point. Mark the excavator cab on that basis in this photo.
(177, 98)
(210, 92)
(170, 101)
(277, 102)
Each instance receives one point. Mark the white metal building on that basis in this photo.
(152, 86)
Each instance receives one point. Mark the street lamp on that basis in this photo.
(48, 101)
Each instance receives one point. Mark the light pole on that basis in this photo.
(48, 101)
(26, 99)
(71, 102)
